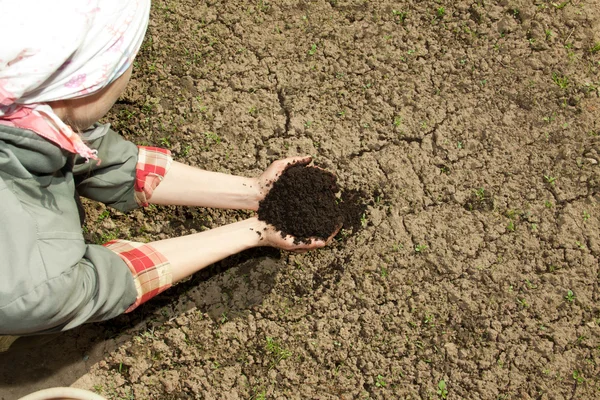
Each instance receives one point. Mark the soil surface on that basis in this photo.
(471, 126)
(302, 202)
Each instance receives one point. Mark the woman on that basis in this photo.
(69, 62)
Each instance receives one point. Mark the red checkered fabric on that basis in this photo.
(151, 271)
(153, 164)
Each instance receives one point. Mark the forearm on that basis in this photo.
(191, 253)
(190, 186)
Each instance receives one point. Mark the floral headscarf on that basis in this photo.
(63, 49)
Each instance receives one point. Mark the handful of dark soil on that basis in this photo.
(303, 203)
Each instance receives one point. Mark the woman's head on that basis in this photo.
(67, 60)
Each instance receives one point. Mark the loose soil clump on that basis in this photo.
(303, 203)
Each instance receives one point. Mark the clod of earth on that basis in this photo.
(303, 203)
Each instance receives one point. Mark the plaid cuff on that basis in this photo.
(151, 270)
(152, 166)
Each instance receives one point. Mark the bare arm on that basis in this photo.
(191, 253)
(189, 186)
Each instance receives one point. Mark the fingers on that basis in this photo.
(301, 160)
(337, 230)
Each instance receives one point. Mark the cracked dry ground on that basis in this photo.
(472, 126)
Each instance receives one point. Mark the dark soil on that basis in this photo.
(303, 203)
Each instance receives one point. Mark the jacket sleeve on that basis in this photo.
(125, 175)
(50, 280)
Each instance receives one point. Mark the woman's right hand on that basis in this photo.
(274, 238)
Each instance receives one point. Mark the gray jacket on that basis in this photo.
(50, 279)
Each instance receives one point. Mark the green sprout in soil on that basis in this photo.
(561, 81)
(278, 352)
(578, 377)
(186, 150)
(511, 226)
(380, 381)
(480, 194)
(550, 179)
(384, 272)
(442, 391)
(165, 142)
(313, 50)
(586, 215)
(548, 204)
(399, 16)
(397, 120)
(420, 248)
(261, 396)
(595, 48)
(560, 6)
(440, 12)
(522, 302)
(212, 136)
(363, 220)
(570, 297)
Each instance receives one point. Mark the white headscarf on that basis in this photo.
(63, 49)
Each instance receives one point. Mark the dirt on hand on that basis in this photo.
(302, 203)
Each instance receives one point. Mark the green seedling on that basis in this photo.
(570, 297)
(595, 48)
(561, 81)
(212, 136)
(384, 272)
(510, 226)
(186, 150)
(442, 391)
(586, 215)
(420, 248)
(534, 227)
(522, 302)
(397, 120)
(553, 268)
(480, 194)
(578, 377)
(400, 16)
(278, 352)
(380, 381)
(550, 179)
(103, 215)
(548, 204)
(313, 50)
(308, 124)
(164, 141)
(560, 6)
(363, 220)
(440, 12)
